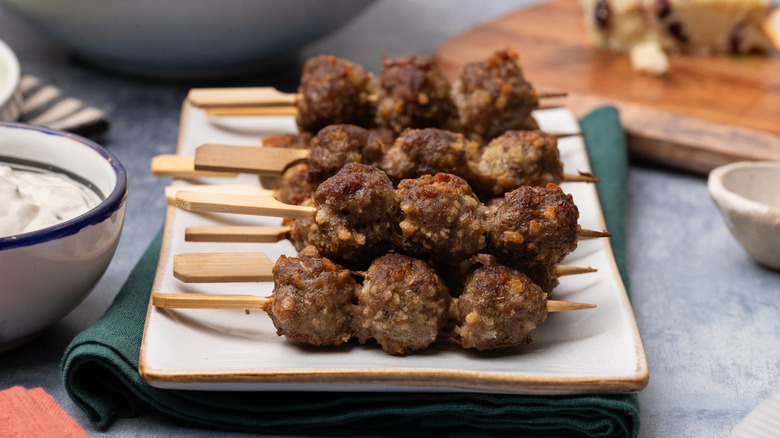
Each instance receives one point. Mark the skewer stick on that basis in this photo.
(268, 206)
(240, 97)
(227, 233)
(222, 267)
(241, 204)
(583, 234)
(274, 161)
(563, 270)
(253, 97)
(216, 301)
(579, 177)
(209, 301)
(251, 267)
(178, 166)
(246, 159)
(245, 189)
(279, 110)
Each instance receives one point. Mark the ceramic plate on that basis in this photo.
(597, 350)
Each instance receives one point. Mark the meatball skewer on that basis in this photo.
(409, 92)
(402, 304)
(357, 215)
(512, 160)
(252, 267)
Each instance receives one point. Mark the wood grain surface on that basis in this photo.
(707, 111)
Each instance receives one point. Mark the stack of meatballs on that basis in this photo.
(437, 209)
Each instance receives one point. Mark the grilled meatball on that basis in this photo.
(519, 158)
(385, 135)
(299, 232)
(499, 308)
(533, 225)
(357, 213)
(333, 91)
(288, 141)
(493, 97)
(442, 218)
(336, 145)
(428, 151)
(413, 93)
(403, 304)
(543, 275)
(312, 301)
(296, 186)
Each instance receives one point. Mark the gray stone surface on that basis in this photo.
(708, 315)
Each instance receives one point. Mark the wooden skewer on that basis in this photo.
(244, 189)
(249, 98)
(273, 161)
(225, 301)
(241, 204)
(228, 233)
(222, 267)
(583, 234)
(178, 166)
(246, 159)
(251, 267)
(268, 206)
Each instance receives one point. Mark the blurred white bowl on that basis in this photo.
(10, 95)
(748, 196)
(193, 38)
(45, 274)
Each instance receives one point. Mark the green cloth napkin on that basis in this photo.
(100, 367)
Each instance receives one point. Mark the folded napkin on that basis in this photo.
(101, 376)
(45, 105)
(34, 413)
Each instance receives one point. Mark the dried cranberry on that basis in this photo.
(664, 9)
(602, 13)
(677, 30)
(735, 38)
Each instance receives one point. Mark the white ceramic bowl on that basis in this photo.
(45, 274)
(748, 196)
(10, 94)
(192, 38)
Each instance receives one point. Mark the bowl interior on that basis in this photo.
(59, 153)
(757, 182)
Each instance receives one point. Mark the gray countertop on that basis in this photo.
(709, 316)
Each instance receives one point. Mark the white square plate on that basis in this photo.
(596, 350)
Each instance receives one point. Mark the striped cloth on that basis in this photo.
(45, 105)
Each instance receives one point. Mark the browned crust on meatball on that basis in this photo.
(296, 186)
(332, 91)
(336, 145)
(312, 301)
(413, 93)
(533, 225)
(519, 158)
(428, 151)
(402, 305)
(492, 96)
(357, 212)
(442, 218)
(499, 308)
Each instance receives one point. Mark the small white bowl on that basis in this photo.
(748, 196)
(45, 274)
(10, 94)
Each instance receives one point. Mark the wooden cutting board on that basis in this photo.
(707, 111)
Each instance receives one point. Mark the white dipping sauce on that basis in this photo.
(31, 200)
